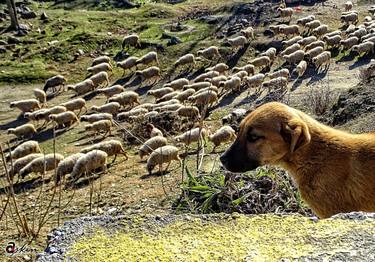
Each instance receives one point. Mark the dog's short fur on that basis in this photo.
(334, 170)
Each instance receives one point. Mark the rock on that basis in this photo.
(13, 40)
(44, 16)
(2, 50)
(28, 15)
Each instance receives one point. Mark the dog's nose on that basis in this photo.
(223, 159)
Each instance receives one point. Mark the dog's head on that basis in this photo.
(267, 136)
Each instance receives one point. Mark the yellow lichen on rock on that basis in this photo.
(242, 238)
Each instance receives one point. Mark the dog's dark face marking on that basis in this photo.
(261, 139)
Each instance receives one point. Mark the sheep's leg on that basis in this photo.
(114, 159)
(166, 169)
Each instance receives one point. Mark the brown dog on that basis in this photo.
(334, 170)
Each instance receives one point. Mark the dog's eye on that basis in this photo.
(251, 138)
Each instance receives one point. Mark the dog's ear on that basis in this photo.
(296, 133)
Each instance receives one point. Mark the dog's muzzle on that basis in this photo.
(235, 159)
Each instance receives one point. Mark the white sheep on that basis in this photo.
(160, 92)
(75, 104)
(189, 111)
(170, 102)
(371, 39)
(103, 67)
(21, 163)
(53, 82)
(291, 41)
(364, 48)
(240, 74)
(286, 12)
(41, 164)
(36, 115)
(24, 149)
(184, 95)
(128, 63)
(164, 154)
(151, 114)
(248, 32)
(280, 83)
(309, 55)
(194, 135)
(82, 87)
(304, 20)
(207, 98)
(64, 119)
(45, 114)
(41, 96)
(149, 73)
(254, 81)
(99, 126)
(27, 105)
(151, 144)
(26, 130)
(332, 41)
(208, 89)
(66, 166)
(301, 68)
(221, 68)
(209, 53)
(131, 40)
(295, 58)
(237, 42)
(101, 59)
(289, 30)
(126, 99)
(349, 18)
(202, 77)
(348, 6)
(198, 86)
(270, 52)
(153, 131)
(215, 81)
(111, 91)
(88, 163)
(307, 40)
(148, 58)
(223, 135)
(358, 33)
(313, 24)
(262, 61)
(99, 79)
(315, 44)
(284, 72)
(349, 42)
(188, 59)
(111, 147)
(110, 108)
(132, 113)
(178, 83)
(96, 117)
(322, 59)
(166, 108)
(232, 84)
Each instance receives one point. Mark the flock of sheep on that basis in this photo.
(305, 43)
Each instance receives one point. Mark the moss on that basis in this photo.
(257, 238)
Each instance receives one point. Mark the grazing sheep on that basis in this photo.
(103, 67)
(262, 61)
(111, 91)
(193, 135)
(151, 144)
(209, 53)
(41, 164)
(349, 18)
(295, 58)
(367, 36)
(96, 117)
(248, 32)
(333, 33)
(286, 12)
(348, 6)
(314, 44)
(99, 79)
(189, 111)
(333, 41)
(132, 113)
(320, 30)
(111, 147)
(171, 108)
(304, 20)
(198, 86)
(100, 60)
(284, 72)
(216, 80)
(237, 42)
(21, 163)
(27, 105)
(45, 114)
(371, 39)
(309, 55)
(223, 135)
(210, 89)
(110, 108)
(364, 48)
(254, 81)
(270, 52)
(87, 163)
(276, 29)
(358, 33)
(98, 126)
(160, 92)
(126, 99)
(234, 116)
(291, 41)
(24, 149)
(312, 25)
(169, 102)
(221, 68)
(202, 77)
(148, 106)
(276, 83)
(188, 59)
(149, 73)
(321, 59)
(151, 114)
(36, 115)
(66, 166)
(75, 104)
(240, 74)
(177, 84)
(168, 96)
(164, 154)
(184, 95)
(64, 119)
(148, 58)
(291, 49)
(232, 84)
(131, 40)
(53, 82)
(289, 30)
(301, 68)
(26, 130)
(307, 40)
(128, 63)
(82, 87)
(41, 96)
(153, 131)
(349, 42)
(207, 98)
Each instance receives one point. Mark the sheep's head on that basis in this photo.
(88, 127)
(12, 104)
(95, 108)
(28, 115)
(354, 48)
(52, 117)
(10, 131)
(200, 52)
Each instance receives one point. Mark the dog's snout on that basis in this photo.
(224, 159)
